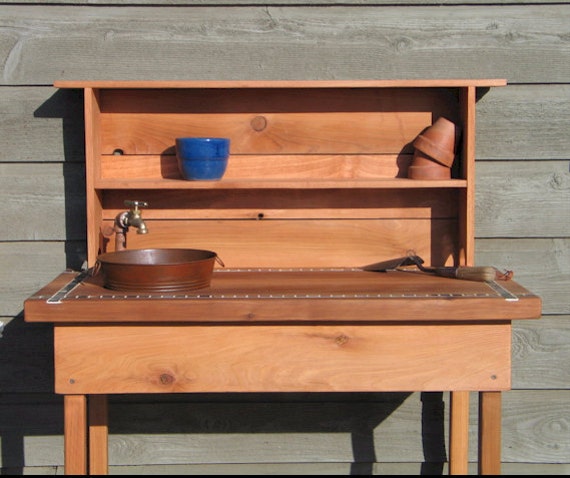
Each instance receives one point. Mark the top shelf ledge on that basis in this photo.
(435, 83)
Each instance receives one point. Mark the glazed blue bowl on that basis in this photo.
(203, 159)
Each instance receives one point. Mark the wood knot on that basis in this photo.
(259, 123)
(341, 339)
(166, 379)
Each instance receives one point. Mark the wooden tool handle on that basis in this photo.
(480, 274)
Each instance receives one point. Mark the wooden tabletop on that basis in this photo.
(288, 295)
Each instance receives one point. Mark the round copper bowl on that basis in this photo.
(157, 270)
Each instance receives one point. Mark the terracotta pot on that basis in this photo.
(438, 141)
(433, 171)
(422, 159)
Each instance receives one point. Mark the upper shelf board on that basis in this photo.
(436, 83)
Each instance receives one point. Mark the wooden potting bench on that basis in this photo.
(316, 188)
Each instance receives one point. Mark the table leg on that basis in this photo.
(98, 435)
(459, 433)
(490, 433)
(75, 434)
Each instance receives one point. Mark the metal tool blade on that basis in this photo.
(390, 265)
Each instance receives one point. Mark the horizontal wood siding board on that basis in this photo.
(513, 199)
(29, 265)
(382, 427)
(44, 201)
(329, 469)
(523, 43)
(41, 124)
(520, 122)
(541, 265)
(225, 3)
(522, 199)
(541, 352)
(524, 122)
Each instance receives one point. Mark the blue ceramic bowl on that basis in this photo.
(202, 158)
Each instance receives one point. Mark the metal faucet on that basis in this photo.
(126, 219)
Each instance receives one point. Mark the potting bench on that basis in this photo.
(316, 189)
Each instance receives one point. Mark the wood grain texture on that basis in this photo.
(39, 117)
(520, 122)
(27, 265)
(540, 264)
(255, 168)
(324, 242)
(287, 297)
(523, 123)
(43, 202)
(98, 411)
(290, 429)
(163, 359)
(277, 203)
(32, 121)
(508, 193)
(541, 351)
(329, 469)
(490, 428)
(268, 120)
(524, 43)
(270, 2)
(512, 200)
(459, 432)
(75, 419)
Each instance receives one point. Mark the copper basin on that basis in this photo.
(156, 270)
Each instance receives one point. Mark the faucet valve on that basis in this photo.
(134, 205)
(134, 216)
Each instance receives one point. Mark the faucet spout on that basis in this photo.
(134, 219)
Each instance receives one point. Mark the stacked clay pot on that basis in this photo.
(434, 151)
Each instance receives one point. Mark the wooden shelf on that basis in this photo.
(392, 183)
(419, 83)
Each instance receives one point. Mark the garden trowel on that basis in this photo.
(481, 274)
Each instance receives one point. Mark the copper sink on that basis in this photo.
(156, 270)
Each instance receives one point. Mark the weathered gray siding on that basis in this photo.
(522, 217)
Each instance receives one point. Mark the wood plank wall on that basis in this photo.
(522, 217)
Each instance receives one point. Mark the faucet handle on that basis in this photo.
(134, 204)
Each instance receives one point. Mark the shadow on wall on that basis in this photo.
(29, 408)
(68, 105)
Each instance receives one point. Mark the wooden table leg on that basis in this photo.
(98, 435)
(75, 434)
(490, 433)
(459, 433)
